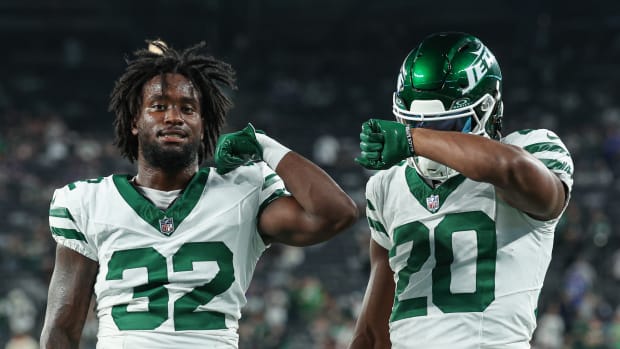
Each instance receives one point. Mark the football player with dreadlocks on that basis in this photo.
(461, 217)
(170, 252)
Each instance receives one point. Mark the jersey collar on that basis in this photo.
(164, 221)
(430, 198)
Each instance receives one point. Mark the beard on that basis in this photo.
(169, 159)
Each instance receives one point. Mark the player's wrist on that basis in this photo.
(273, 151)
(409, 136)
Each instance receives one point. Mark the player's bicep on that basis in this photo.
(541, 175)
(285, 221)
(69, 296)
(536, 190)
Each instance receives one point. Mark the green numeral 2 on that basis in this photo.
(185, 315)
(443, 298)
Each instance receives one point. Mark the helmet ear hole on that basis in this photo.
(496, 120)
(469, 46)
(500, 109)
(463, 82)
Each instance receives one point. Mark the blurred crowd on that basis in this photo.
(310, 298)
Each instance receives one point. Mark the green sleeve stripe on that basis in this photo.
(61, 212)
(68, 233)
(370, 205)
(276, 194)
(558, 165)
(269, 180)
(545, 146)
(376, 225)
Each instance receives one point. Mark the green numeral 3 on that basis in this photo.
(185, 315)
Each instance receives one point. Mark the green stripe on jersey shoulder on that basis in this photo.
(376, 225)
(61, 212)
(269, 180)
(525, 131)
(370, 205)
(276, 194)
(68, 233)
(546, 146)
(558, 165)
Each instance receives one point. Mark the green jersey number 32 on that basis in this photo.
(185, 315)
(443, 298)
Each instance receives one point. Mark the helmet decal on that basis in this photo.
(478, 69)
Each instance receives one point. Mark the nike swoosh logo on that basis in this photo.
(552, 137)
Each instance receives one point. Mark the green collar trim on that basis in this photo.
(429, 198)
(166, 222)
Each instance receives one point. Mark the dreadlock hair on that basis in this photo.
(206, 73)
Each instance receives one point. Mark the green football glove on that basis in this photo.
(236, 149)
(384, 143)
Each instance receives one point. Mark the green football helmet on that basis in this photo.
(451, 81)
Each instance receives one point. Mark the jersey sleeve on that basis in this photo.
(272, 187)
(374, 204)
(547, 147)
(65, 218)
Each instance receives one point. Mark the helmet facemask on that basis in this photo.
(430, 114)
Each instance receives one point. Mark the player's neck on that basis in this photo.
(159, 179)
(431, 182)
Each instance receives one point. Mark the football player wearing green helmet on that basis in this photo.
(462, 231)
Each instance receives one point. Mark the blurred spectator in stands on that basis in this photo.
(21, 313)
(550, 330)
(578, 281)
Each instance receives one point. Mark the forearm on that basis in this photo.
(63, 322)
(317, 193)
(519, 178)
(68, 300)
(372, 327)
(478, 158)
(53, 338)
(365, 341)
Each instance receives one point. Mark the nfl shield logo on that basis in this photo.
(432, 203)
(166, 225)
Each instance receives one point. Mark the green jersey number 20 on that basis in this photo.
(443, 298)
(185, 315)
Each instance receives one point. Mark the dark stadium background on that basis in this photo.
(309, 72)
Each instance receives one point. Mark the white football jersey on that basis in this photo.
(468, 267)
(175, 278)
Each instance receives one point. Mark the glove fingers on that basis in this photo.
(372, 137)
(370, 164)
(371, 126)
(366, 127)
(249, 129)
(225, 158)
(371, 155)
(230, 162)
(371, 146)
(363, 161)
(375, 125)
